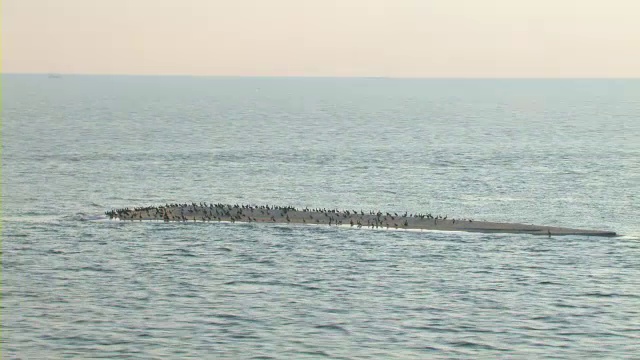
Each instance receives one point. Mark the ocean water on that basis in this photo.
(548, 152)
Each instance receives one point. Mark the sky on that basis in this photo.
(387, 38)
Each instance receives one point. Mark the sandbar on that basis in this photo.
(204, 212)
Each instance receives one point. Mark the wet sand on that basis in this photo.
(355, 218)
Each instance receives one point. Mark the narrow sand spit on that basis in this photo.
(356, 218)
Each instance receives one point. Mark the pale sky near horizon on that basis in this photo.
(395, 38)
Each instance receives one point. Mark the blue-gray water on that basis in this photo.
(549, 152)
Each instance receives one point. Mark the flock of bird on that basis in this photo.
(270, 213)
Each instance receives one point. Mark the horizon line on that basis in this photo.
(336, 76)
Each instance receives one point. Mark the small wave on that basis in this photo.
(433, 329)
(334, 327)
(315, 353)
(429, 309)
(16, 235)
(549, 283)
(234, 317)
(38, 219)
(284, 228)
(85, 217)
(271, 283)
(563, 305)
(96, 269)
(80, 216)
(609, 295)
(179, 252)
(430, 348)
(475, 345)
(244, 336)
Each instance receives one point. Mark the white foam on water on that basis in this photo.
(343, 226)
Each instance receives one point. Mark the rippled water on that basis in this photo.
(548, 152)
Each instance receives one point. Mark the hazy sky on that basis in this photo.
(407, 38)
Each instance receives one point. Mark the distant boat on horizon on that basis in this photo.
(55, 76)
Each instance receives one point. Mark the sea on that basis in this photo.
(76, 285)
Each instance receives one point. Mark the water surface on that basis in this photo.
(549, 152)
